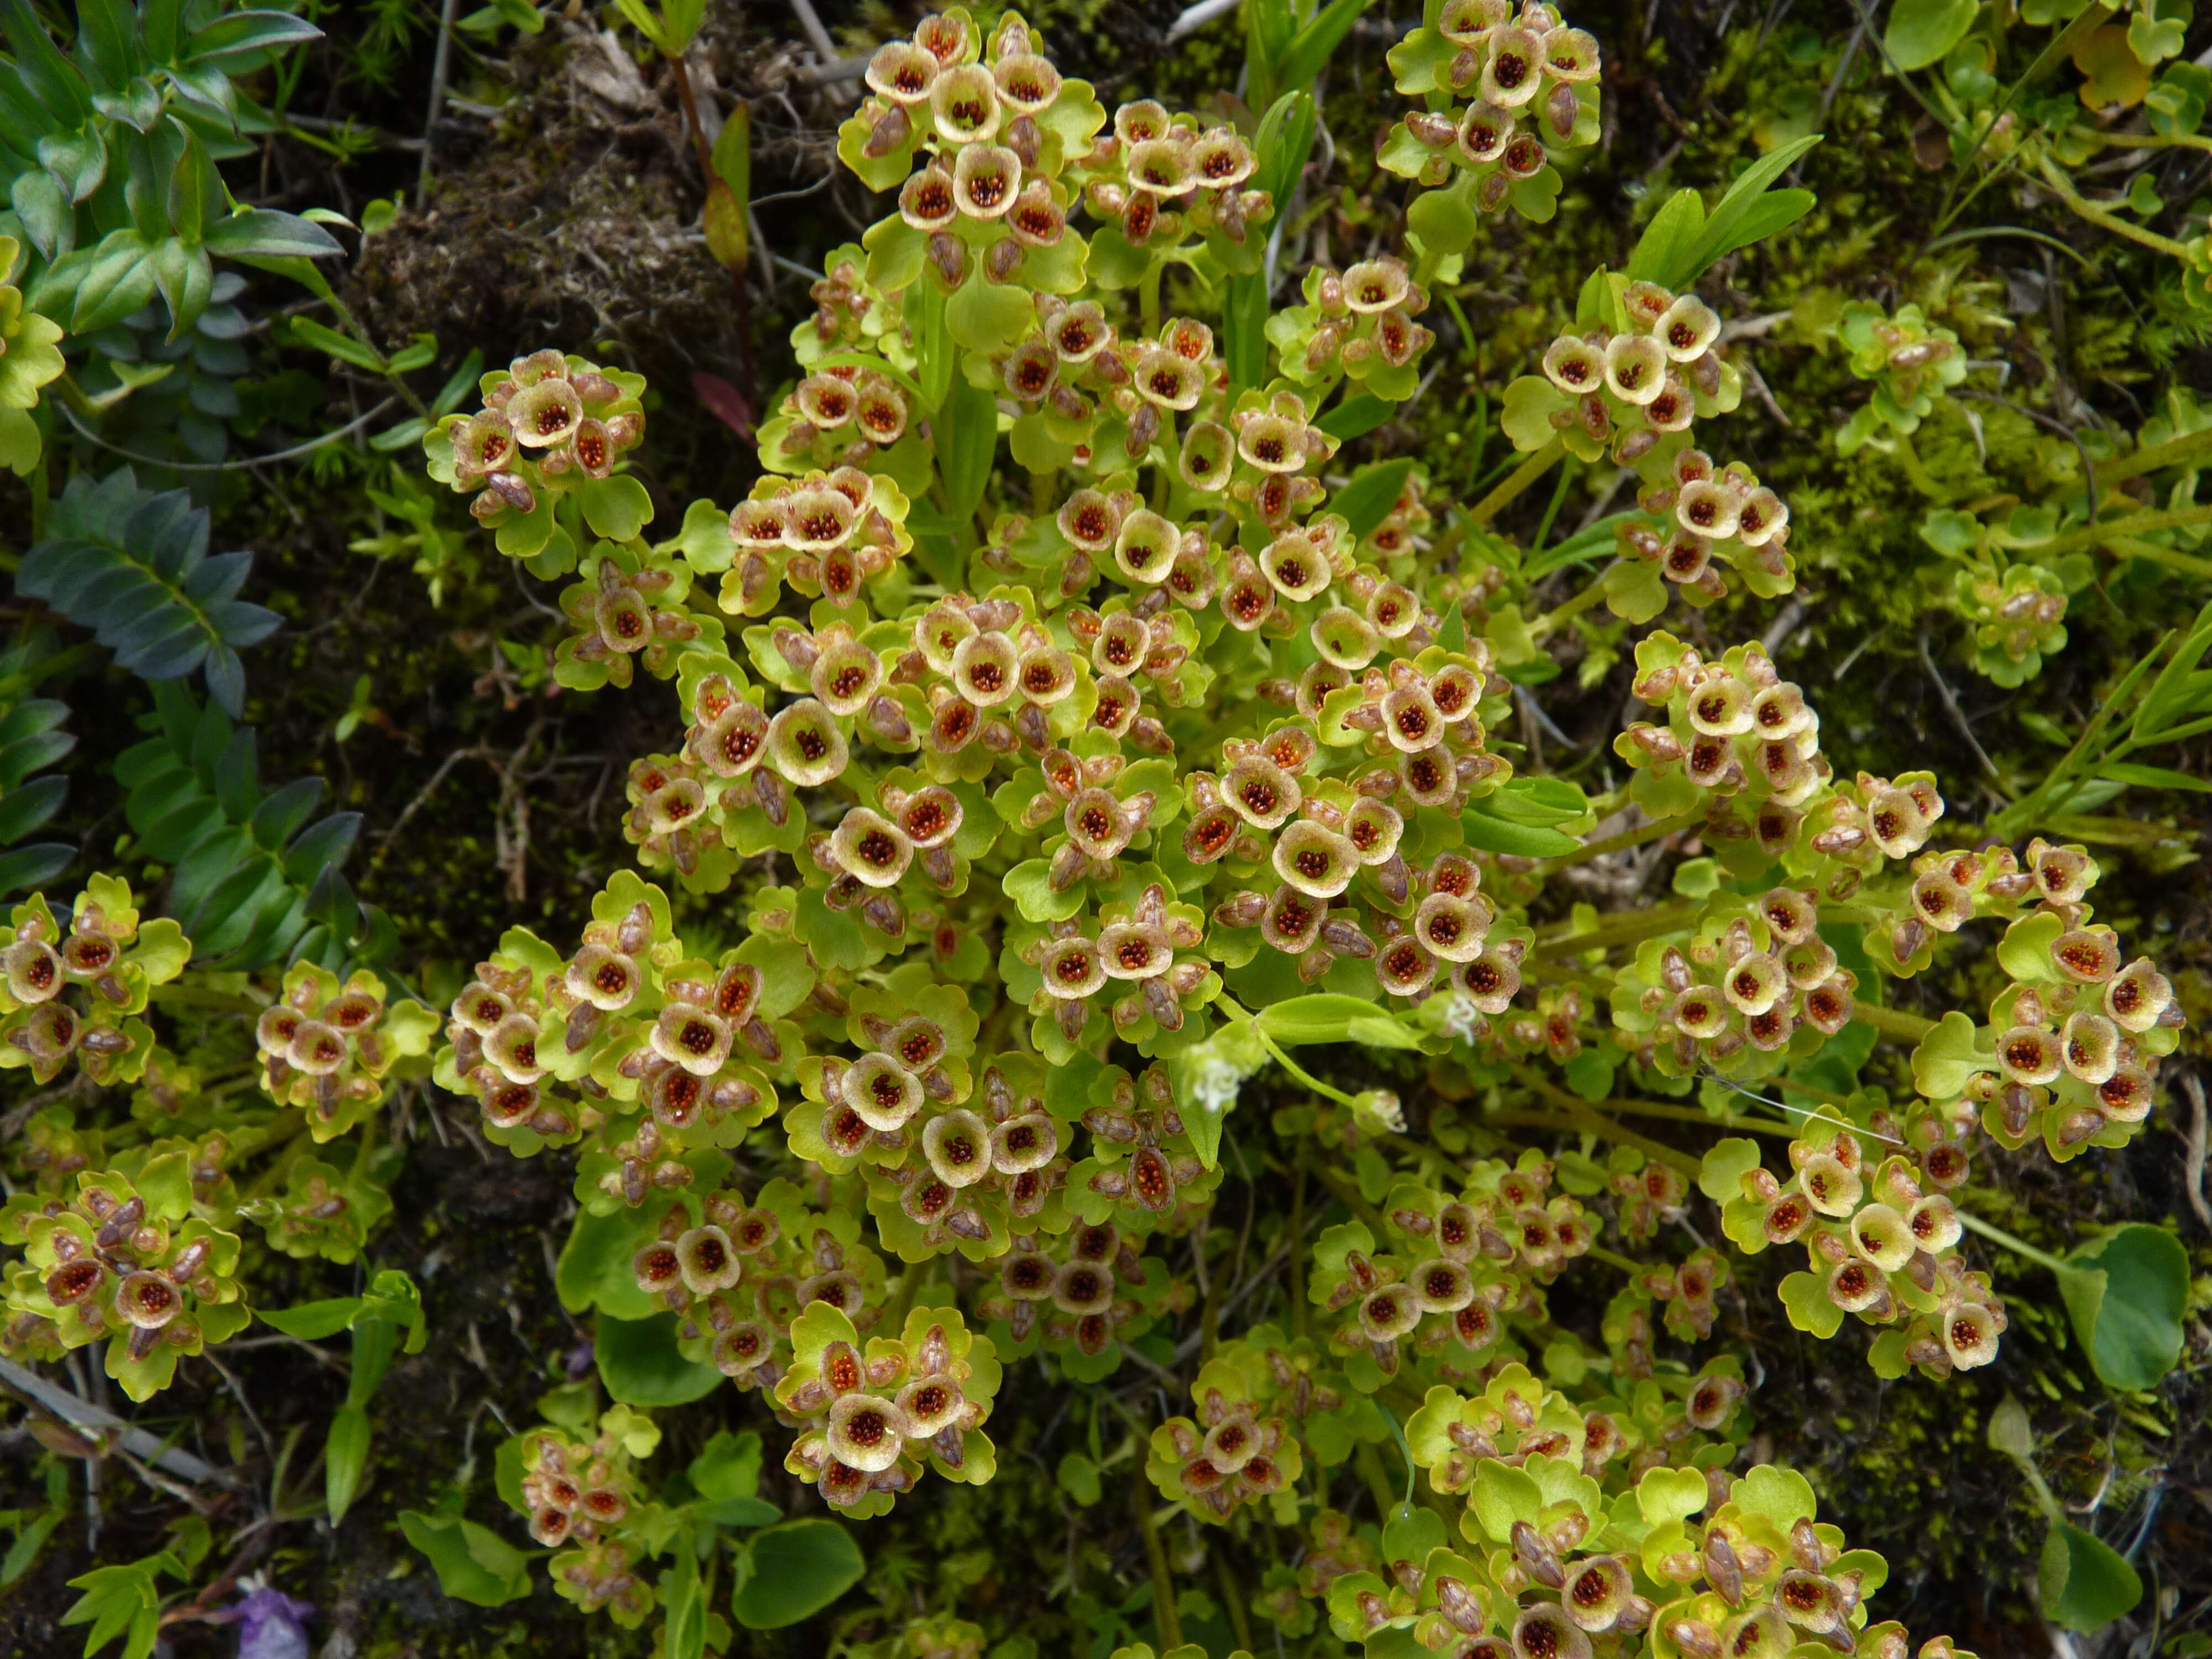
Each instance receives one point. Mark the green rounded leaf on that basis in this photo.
(793, 1572)
(594, 1270)
(1921, 32)
(2126, 1296)
(2084, 1582)
(474, 1563)
(617, 508)
(641, 1365)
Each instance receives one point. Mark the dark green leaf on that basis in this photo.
(243, 33)
(267, 233)
(683, 1634)
(23, 810)
(127, 563)
(106, 42)
(281, 814)
(51, 78)
(1244, 331)
(1314, 44)
(970, 420)
(1493, 834)
(1923, 32)
(793, 1572)
(1373, 492)
(639, 1363)
(1284, 141)
(1357, 417)
(324, 842)
(345, 1456)
(27, 868)
(2084, 1582)
(1724, 228)
(311, 1322)
(474, 1563)
(594, 1270)
(306, 331)
(2126, 1295)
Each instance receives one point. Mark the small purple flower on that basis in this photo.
(271, 1625)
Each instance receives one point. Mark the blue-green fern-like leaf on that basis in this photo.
(133, 566)
(251, 878)
(31, 740)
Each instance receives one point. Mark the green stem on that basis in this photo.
(1404, 1452)
(2173, 453)
(1914, 473)
(2019, 1247)
(2155, 140)
(1637, 926)
(1579, 1112)
(1163, 1602)
(2111, 222)
(1621, 842)
(1235, 1010)
(1615, 1259)
(1694, 1114)
(1516, 480)
(194, 996)
(1369, 1462)
(1299, 1319)
(900, 1299)
(2129, 547)
(1564, 612)
(1148, 291)
(2132, 526)
(1209, 1322)
(1350, 1196)
(1892, 1022)
(1233, 1595)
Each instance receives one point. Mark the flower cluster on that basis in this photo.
(1743, 741)
(1049, 817)
(1881, 1244)
(1461, 1266)
(1642, 367)
(79, 993)
(1357, 324)
(1504, 91)
(1911, 363)
(2018, 619)
(872, 1423)
(1238, 1450)
(123, 1259)
(1576, 1550)
(1143, 1174)
(660, 1054)
(1752, 974)
(824, 534)
(550, 424)
(738, 1274)
(584, 1498)
(952, 1161)
(1078, 1297)
(2071, 1050)
(326, 1047)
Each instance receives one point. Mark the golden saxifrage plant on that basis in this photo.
(1067, 739)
